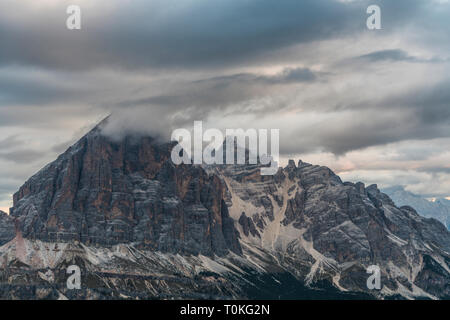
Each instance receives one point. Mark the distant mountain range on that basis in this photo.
(438, 209)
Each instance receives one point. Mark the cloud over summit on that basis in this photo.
(311, 68)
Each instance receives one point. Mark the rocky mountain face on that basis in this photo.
(438, 209)
(140, 227)
(103, 192)
(7, 228)
(321, 228)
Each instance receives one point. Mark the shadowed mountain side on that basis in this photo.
(105, 192)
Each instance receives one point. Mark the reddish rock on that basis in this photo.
(105, 192)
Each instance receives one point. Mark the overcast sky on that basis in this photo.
(372, 105)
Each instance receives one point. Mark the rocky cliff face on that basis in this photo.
(103, 192)
(7, 230)
(324, 229)
(141, 227)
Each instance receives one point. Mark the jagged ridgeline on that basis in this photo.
(141, 227)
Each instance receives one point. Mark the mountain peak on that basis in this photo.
(303, 222)
(106, 192)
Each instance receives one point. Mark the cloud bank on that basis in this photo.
(373, 105)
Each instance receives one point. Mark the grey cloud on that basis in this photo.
(14, 149)
(396, 55)
(190, 34)
(33, 92)
(435, 170)
(206, 95)
(22, 155)
(419, 113)
(375, 132)
(287, 76)
(431, 103)
(208, 55)
(361, 129)
(9, 142)
(391, 55)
